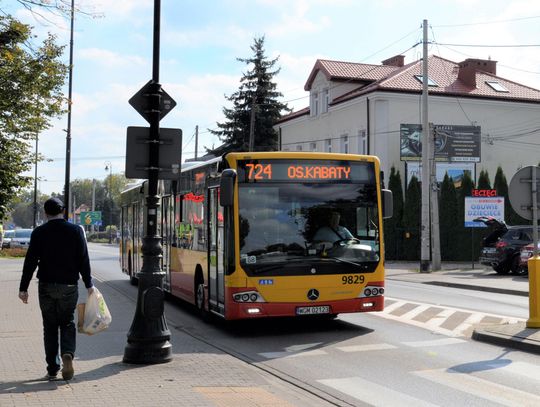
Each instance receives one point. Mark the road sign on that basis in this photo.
(90, 218)
(520, 191)
(490, 207)
(137, 153)
(140, 101)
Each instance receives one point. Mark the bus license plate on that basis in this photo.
(321, 309)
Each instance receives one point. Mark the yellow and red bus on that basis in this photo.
(266, 234)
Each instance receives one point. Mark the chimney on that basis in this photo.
(468, 68)
(398, 60)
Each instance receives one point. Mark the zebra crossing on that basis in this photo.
(449, 321)
(480, 383)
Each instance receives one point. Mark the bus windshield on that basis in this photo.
(306, 228)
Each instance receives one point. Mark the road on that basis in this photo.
(418, 352)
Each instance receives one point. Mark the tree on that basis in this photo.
(411, 220)
(393, 227)
(56, 7)
(256, 96)
(463, 234)
(31, 81)
(449, 218)
(483, 180)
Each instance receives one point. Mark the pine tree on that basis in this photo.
(411, 221)
(449, 219)
(393, 227)
(483, 180)
(463, 234)
(257, 95)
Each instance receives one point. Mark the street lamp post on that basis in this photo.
(108, 167)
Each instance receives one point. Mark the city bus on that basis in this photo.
(268, 234)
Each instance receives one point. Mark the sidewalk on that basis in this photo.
(480, 278)
(198, 375)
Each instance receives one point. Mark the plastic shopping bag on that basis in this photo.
(96, 314)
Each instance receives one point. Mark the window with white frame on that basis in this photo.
(314, 107)
(313, 146)
(328, 144)
(325, 100)
(362, 142)
(345, 144)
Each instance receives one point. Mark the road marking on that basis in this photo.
(373, 393)
(364, 348)
(470, 384)
(439, 319)
(436, 322)
(280, 355)
(528, 370)
(434, 342)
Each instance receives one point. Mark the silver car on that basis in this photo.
(21, 238)
(8, 235)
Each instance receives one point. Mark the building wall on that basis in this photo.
(387, 111)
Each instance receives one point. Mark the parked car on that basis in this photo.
(21, 238)
(8, 235)
(525, 254)
(501, 248)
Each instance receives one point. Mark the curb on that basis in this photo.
(479, 288)
(505, 340)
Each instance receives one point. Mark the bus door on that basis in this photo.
(167, 231)
(216, 282)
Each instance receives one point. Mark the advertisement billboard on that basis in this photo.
(453, 143)
(455, 171)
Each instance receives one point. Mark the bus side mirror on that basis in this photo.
(387, 204)
(226, 194)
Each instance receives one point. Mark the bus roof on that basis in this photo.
(191, 165)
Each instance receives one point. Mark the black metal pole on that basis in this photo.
(148, 337)
(35, 183)
(68, 131)
(108, 166)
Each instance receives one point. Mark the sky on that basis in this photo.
(200, 44)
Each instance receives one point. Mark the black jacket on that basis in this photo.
(58, 249)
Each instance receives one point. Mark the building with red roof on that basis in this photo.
(482, 121)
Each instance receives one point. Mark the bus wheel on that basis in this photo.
(199, 301)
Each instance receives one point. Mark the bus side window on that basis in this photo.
(185, 235)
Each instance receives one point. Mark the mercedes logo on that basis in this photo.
(313, 294)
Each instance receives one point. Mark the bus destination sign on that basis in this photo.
(308, 171)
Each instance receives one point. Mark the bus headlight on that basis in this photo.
(248, 296)
(372, 291)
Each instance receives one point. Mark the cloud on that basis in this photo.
(111, 59)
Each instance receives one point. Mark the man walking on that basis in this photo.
(58, 249)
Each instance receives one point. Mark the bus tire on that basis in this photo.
(200, 301)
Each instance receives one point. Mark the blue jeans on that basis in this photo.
(57, 303)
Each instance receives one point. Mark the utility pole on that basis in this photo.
(435, 233)
(196, 140)
(68, 131)
(424, 221)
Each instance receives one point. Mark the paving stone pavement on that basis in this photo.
(198, 375)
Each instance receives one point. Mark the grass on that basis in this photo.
(12, 253)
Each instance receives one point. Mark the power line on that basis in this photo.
(486, 22)
(490, 45)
